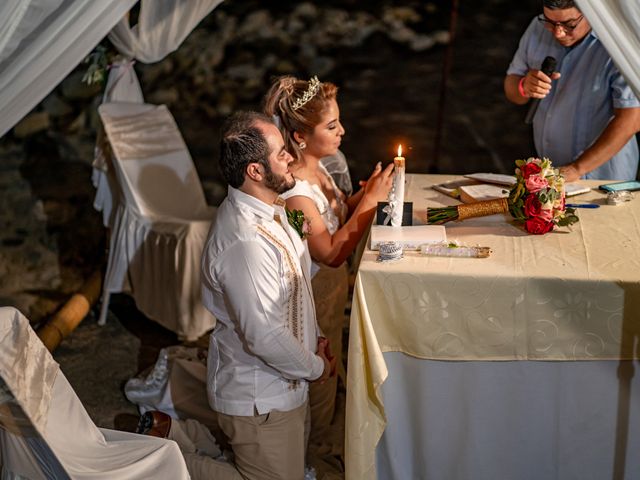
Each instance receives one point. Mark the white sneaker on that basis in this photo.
(150, 388)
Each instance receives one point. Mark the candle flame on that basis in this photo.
(399, 150)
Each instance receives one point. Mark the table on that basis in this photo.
(516, 366)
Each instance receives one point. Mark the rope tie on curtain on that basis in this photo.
(125, 65)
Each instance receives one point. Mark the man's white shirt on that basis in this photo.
(257, 362)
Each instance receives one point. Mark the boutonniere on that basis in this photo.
(299, 222)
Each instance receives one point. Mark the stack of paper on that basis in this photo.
(409, 237)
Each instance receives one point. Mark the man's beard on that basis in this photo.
(277, 183)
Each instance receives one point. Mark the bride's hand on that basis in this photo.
(379, 183)
(377, 169)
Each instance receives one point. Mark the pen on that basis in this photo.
(582, 205)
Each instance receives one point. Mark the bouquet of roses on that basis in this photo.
(537, 200)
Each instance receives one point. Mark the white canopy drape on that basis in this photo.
(162, 27)
(617, 24)
(41, 41)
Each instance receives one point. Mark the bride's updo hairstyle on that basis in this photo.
(297, 106)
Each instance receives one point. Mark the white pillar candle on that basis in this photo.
(397, 194)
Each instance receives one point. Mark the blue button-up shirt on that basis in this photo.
(581, 102)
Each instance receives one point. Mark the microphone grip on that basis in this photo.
(548, 66)
(533, 108)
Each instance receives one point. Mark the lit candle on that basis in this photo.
(397, 192)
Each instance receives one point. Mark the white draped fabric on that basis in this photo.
(41, 41)
(617, 24)
(24, 18)
(122, 86)
(509, 420)
(45, 432)
(25, 363)
(162, 26)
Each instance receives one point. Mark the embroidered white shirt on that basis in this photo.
(252, 266)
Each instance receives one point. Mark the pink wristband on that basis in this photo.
(521, 88)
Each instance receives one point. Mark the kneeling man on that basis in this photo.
(265, 348)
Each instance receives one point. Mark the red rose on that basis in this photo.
(532, 206)
(529, 169)
(537, 226)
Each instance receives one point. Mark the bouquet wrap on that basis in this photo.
(484, 208)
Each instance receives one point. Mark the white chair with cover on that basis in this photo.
(45, 432)
(160, 222)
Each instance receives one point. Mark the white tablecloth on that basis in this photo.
(569, 295)
(521, 420)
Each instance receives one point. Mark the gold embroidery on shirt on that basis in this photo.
(294, 303)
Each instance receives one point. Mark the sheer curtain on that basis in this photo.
(21, 18)
(41, 41)
(162, 27)
(617, 24)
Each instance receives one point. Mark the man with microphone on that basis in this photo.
(584, 114)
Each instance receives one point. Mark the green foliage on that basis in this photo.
(297, 221)
(569, 218)
(98, 61)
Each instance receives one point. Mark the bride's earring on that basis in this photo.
(302, 145)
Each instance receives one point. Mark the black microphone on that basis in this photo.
(548, 66)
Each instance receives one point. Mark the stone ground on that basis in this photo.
(51, 238)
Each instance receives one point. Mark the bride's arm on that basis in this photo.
(353, 200)
(334, 249)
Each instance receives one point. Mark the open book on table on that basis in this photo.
(476, 187)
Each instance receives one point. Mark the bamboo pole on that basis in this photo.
(71, 314)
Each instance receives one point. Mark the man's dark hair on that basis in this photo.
(559, 4)
(242, 143)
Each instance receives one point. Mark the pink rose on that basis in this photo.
(529, 169)
(536, 183)
(537, 226)
(306, 229)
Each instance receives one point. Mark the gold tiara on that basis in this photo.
(312, 90)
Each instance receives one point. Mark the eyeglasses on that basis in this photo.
(567, 27)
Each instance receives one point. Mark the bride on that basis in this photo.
(308, 116)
